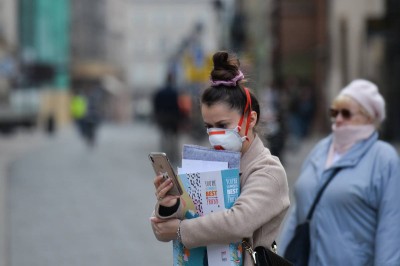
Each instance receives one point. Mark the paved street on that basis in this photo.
(11, 148)
(72, 205)
(68, 204)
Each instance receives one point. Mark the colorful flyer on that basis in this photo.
(210, 192)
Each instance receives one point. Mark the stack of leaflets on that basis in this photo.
(211, 182)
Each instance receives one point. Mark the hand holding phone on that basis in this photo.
(162, 165)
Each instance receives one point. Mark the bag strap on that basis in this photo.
(318, 197)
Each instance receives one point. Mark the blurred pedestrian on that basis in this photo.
(230, 113)
(356, 219)
(185, 103)
(86, 112)
(78, 109)
(301, 110)
(50, 125)
(94, 114)
(167, 115)
(273, 118)
(306, 108)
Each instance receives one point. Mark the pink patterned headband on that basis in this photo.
(229, 83)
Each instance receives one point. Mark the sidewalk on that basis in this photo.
(70, 205)
(11, 148)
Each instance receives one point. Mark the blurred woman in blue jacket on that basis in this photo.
(357, 220)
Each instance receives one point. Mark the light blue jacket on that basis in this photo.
(357, 220)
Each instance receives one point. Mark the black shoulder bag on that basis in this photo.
(262, 256)
(298, 250)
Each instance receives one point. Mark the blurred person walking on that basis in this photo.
(167, 115)
(78, 109)
(86, 111)
(94, 114)
(356, 219)
(272, 119)
(301, 110)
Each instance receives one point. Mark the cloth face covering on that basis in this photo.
(346, 136)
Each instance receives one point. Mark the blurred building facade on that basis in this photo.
(96, 54)
(138, 38)
(44, 54)
(328, 44)
(8, 23)
(302, 38)
(292, 42)
(259, 42)
(350, 45)
(8, 41)
(44, 39)
(88, 30)
(34, 61)
(364, 43)
(156, 29)
(158, 35)
(388, 29)
(8, 45)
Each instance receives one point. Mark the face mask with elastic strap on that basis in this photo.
(246, 108)
(230, 139)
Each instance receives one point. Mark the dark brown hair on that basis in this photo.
(226, 67)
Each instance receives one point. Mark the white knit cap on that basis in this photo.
(366, 93)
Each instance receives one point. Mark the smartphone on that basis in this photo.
(161, 164)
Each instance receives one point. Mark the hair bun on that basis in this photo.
(220, 59)
(226, 66)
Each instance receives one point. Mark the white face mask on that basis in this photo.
(225, 139)
(230, 139)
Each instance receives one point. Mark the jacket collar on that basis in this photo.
(255, 149)
(351, 158)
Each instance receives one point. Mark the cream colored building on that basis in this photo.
(352, 54)
(142, 35)
(8, 22)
